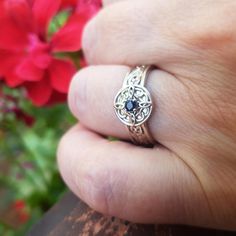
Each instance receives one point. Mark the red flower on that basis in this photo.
(69, 4)
(21, 115)
(33, 57)
(20, 209)
(19, 205)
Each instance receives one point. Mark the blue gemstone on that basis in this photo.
(130, 105)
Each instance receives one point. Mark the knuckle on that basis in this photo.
(99, 187)
(213, 30)
(111, 27)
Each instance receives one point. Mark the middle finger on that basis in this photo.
(132, 33)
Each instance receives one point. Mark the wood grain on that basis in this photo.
(72, 217)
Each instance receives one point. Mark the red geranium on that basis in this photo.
(35, 52)
(21, 212)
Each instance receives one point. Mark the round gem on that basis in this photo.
(130, 105)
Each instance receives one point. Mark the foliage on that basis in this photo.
(40, 50)
(28, 170)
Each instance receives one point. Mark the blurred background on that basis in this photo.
(40, 51)
(29, 180)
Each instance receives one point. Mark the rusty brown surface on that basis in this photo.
(71, 217)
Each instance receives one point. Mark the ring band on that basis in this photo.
(133, 105)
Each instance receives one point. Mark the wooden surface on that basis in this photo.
(71, 217)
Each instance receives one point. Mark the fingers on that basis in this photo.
(131, 34)
(106, 175)
(91, 96)
(93, 90)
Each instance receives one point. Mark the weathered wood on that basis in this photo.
(71, 217)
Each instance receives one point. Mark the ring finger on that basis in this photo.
(93, 89)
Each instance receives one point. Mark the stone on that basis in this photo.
(130, 105)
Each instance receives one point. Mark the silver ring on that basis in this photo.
(133, 105)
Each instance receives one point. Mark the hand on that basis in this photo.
(191, 177)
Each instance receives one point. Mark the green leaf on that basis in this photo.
(58, 21)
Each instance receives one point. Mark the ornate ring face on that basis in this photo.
(133, 105)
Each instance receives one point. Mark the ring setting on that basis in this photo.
(133, 105)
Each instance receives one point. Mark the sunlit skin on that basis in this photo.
(190, 178)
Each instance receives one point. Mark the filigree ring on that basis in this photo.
(133, 105)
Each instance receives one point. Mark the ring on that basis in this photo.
(133, 105)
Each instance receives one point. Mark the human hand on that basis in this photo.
(191, 177)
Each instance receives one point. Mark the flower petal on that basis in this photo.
(2, 6)
(12, 79)
(28, 71)
(43, 11)
(20, 12)
(83, 62)
(14, 24)
(57, 97)
(68, 38)
(7, 67)
(39, 92)
(39, 52)
(42, 60)
(61, 73)
(8, 60)
(12, 37)
(68, 4)
(89, 7)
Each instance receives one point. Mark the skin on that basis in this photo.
(190, 178)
